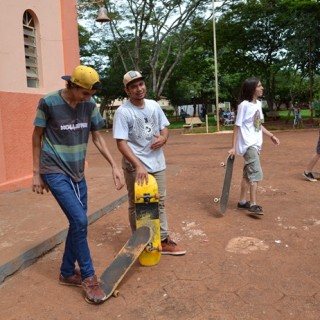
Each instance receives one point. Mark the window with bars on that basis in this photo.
(30, 49)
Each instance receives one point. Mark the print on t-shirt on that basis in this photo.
(143, 128)
(257, 121)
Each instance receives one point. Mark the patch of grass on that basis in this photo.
(282, 124)
(305, 114)
(212, 126)
(179, 124)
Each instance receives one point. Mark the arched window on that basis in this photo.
(30, 49)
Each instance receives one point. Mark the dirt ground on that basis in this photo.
(236, 266)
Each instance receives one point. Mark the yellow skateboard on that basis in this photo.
(146, 198)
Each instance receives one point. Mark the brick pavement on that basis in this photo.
(236, 267)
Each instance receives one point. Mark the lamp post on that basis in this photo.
(215, 65)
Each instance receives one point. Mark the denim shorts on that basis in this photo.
(252, 168)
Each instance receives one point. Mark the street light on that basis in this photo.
(215, 65)
(102, 12)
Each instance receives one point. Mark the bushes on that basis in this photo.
(169, 113)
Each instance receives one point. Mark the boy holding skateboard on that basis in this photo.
(63, 122)
(247, 142)
(140, 128)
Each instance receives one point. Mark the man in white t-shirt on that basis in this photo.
(247, 142)
(140, 128)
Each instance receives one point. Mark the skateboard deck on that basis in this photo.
(226, 184)
(112, 276)
(146, 198)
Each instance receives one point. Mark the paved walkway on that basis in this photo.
(236, 267)
(32, 224)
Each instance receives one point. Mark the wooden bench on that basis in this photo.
(192, 121)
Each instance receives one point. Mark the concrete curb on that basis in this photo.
(30, 256)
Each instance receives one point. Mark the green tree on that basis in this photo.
(251, 41)
(138, 36)
(302, 39)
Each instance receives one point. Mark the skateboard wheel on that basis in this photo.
(216, 200)
(222, 164)
(116, 293)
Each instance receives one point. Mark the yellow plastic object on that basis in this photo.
(146, 198)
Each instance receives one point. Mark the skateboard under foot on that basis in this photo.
(112, 276)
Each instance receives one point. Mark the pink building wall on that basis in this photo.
(58, 50)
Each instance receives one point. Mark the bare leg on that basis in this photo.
(312, 162)
(253, 192)
(244, 189)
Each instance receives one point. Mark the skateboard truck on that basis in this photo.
(222, 164)
(150, 247)
(147, 197)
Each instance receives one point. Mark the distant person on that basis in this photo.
(313, 161)
(140, 128)
(221, 115)
(203, 112)
(297, 122)
(247, 142)
(184, 115)
(63, 123)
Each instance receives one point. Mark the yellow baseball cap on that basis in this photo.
(84, 77)
(131, 76)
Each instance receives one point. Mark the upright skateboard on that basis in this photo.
(146, 198)
(112, 276)
(226, 184)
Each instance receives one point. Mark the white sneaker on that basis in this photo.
(309, 176)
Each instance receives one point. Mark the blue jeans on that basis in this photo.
(72, 198)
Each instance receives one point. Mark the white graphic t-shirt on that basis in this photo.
(249, 120)
(137, 126)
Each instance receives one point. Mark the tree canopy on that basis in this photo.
(145, 35)
(171, 42)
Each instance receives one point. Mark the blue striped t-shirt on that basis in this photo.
(66, 134)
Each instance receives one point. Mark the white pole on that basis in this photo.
(215, 65)
(207, 127)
